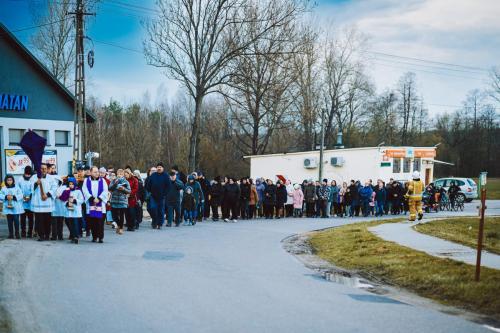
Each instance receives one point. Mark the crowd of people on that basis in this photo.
(93, 197)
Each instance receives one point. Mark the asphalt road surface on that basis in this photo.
(213, 277)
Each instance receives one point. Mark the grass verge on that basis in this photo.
(447, 281)
(464, 230)
(492, 188)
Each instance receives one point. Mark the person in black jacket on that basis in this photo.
(173, 199)
(231, 197)
(269, 199)
(244, 198)
(141, 197)
(204, 208)
(215, 198)
(281, 197)
(189, 206)
(354, 197)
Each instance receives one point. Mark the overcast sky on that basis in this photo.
(427, 37)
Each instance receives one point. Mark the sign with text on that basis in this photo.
(13, 102)
(16, 160)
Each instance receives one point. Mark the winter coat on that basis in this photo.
(141, 192)
(254, 197)
(188, 202)
(270, 195)
(119, 197)
(348, 197)
(205, 187)
(260, 187)
(365, 193)
(25, 186)
(281, 195)
(324, 192)
(334, 194)
(134, 187)
(157, 185)
(342, 195)
(353, 189)
(173, 196)
(245, 192)
(298, 198)
(197, 191)
(231, 193)
(216, 193)
(310, 193)
(380, 194)
(17, 200)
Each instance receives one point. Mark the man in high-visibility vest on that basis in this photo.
(414, 195)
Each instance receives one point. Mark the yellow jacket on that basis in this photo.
(415, 189)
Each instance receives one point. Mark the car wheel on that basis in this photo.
(461, 197)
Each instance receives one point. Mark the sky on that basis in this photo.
(449, 44)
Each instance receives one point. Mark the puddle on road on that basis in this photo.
(346, 279)
(163, 255)
(375, 299)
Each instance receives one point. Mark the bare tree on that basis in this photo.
(258, 93)
(196, 41)
(408, 105)
(495, 84)
(55, 42)
(307, 85)
(345, 83)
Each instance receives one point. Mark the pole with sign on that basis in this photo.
(482, 208)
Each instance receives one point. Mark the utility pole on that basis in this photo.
(482, 208)
(322, 145)
(80, 123)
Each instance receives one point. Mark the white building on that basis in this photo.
(32, 98)
(346, 164)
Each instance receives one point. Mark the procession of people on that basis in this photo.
(94, 197)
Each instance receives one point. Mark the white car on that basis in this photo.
(468, 187)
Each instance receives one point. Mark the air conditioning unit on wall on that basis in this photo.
(310, 163)
(337, 161)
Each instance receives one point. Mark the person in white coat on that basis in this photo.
(59, 210)
(73, 199)
(42, 202)
(12, 198)
(95, 192)
(24, 183)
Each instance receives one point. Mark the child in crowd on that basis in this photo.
(12, 197)
(188, 206)
(58, 212)
(72, 196)
(372, 204)
(298, 200)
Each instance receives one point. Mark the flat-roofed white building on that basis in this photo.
(348, 163)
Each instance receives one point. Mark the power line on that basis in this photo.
(39, 25)
(118, 46)
(429, 61)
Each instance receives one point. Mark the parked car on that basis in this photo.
(468, 187)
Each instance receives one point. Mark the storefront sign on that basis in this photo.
(13, 102)
(429, 153)
(16, 160)
(410, 152)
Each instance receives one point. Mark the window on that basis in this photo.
(416, 164)
(15, 136)
(439, 183)
(396, 165)
(62, 138)
(406, 165)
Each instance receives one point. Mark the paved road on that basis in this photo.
(213, 277)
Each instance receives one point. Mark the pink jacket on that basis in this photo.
(298, 198)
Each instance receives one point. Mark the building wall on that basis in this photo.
(64, 153)
(19, 76)
(359, 164)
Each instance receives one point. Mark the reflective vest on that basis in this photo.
(415, 189)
